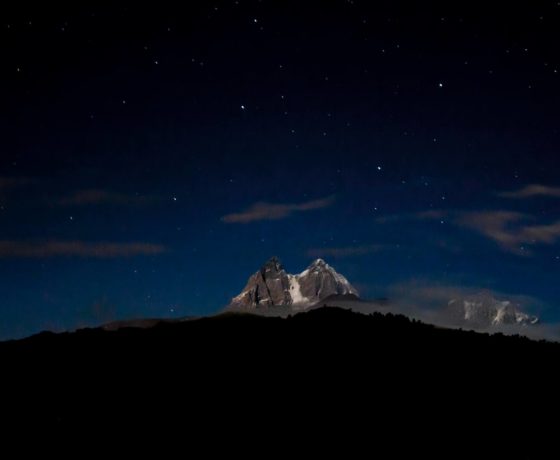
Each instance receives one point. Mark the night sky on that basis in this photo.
(152, 158)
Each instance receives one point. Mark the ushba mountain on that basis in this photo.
(271, 291)
(273, 287)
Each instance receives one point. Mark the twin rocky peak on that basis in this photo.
(271, 286)
(272, 290)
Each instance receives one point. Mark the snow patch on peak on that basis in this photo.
(271, 286)
(240, 297)
(295, 291)
(485, 310)
(501, 314)
(319, 265)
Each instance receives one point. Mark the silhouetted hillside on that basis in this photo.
(329, 369)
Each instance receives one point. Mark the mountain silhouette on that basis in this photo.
(238, 374)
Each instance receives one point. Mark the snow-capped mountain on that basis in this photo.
(484, 310)
(271, 286)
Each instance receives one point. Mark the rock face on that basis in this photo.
(267, 287)
(272, 287)
(320, 281)
(484, 310)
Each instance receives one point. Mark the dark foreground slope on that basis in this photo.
(328, 371)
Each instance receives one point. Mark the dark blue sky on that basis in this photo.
(398, 142)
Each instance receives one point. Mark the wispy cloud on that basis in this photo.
(54, 248)
(426, 294)
(533, 190)
(347, 251)
(430, 294)
(511, 230)
(496, 225)
(432, 214)
(101, 196)
(275, 211)
(514, 232)
(12, 182)
(428, 300)
(545, 234)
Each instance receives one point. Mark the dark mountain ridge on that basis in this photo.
(330, 369)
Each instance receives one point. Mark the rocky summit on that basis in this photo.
(272, 287)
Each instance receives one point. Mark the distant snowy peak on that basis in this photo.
(484, 310)
(271, 286)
